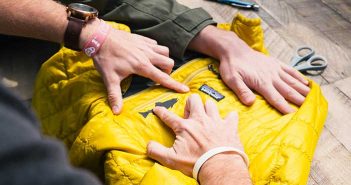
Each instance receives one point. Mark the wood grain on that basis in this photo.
(331, 162)
(299, 23)
(344, 86)
(342, 7)
(339, 114)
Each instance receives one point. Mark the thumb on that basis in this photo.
(114, 95)
(159, 153)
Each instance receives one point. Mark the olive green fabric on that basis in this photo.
(170, 23)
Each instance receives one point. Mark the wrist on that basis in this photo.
(89, 28)
(218, 43)
(217, 165)
(204, 42)
(78, 16)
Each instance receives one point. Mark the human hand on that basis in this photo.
(242, 69)
(275, 81)
(123, 54)
(200, 130)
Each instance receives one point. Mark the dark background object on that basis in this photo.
(20, 60)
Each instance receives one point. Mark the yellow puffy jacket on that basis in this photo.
(70, 100)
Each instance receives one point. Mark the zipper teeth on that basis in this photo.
(188, 79)
(152, 101)
(129, 97)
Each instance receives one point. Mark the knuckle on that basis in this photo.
(181, 128)
(112, 79)
(292, 83)
(243, 92)
(170, 64)
(165, 117)
(290, 94)
(141, 66)
(112, 97)
(165, 50)
(278, 101)
(146, 49)
(169, 161)
(152, 40)
(228, 78)
(167, 81)
(261, 83)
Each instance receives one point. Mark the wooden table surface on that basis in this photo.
(324, 25)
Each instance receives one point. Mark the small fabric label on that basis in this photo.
(211, 92)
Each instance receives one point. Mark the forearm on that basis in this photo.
(226, 168)
(170, 23)
(216, 43)
(40, 19)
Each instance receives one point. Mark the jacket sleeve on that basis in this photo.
(168, 22)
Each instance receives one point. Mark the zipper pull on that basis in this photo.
(211, 68)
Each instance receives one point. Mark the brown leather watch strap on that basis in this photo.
(72, 34)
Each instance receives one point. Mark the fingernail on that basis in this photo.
(185, 88)
(291, 110)
(115, 109)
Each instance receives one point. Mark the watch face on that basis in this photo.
(82, 11)
(82, 7)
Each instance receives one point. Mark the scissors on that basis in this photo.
(240, 4)
(308, 62)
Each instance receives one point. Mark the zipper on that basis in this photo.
(187, 80)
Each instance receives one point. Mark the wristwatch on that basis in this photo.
(78, 15)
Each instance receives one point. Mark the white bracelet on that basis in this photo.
(213, 152)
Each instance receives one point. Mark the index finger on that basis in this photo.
(169, 118)
(194, 106)
(295, 73)
(164, 79)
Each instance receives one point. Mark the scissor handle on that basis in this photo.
(299, 58)
(310, 66)
(240, 3)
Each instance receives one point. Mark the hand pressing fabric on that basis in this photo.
(201, 130)
(123, 54)
(275, 81)
(243, 69)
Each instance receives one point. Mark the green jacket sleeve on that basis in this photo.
(170, 23)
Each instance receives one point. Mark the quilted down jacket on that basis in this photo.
(70, 100)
